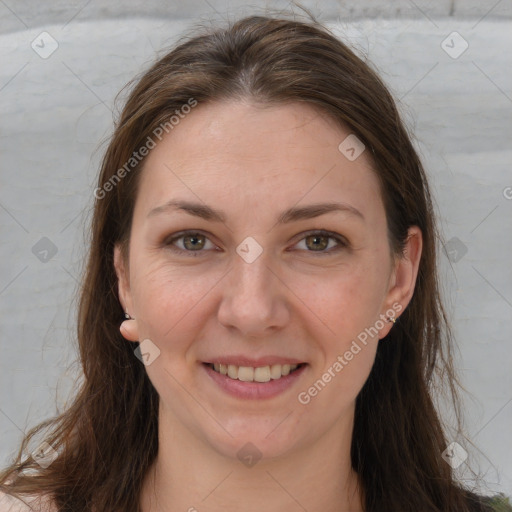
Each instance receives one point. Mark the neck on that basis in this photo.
(189, 475)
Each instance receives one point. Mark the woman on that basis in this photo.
(260, 325)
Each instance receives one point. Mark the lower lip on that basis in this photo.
(254, 390)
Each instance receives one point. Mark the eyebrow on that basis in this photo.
(291, 215)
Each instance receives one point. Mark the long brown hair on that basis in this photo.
(107, 438)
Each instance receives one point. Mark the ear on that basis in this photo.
(128, 328)
(403, 278)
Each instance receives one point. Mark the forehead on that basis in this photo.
(244, 154)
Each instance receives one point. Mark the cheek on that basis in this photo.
(352, 302)
(169, 302)
(350, 307)
(348, 352)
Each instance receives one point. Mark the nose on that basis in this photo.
(255, 298)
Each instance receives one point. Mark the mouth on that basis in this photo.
(260, 374)
(254, 382)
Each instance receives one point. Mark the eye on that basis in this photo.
(192, 242)
(319, 241)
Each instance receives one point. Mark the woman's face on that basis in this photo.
(254, 284)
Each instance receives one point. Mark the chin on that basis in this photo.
(254, 441)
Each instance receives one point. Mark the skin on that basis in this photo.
(253, 162)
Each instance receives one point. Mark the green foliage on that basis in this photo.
(500, 503)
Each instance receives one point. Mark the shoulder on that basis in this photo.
(33, 503)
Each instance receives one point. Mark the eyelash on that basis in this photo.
(342, 243)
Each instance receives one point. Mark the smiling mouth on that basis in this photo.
(251, 374)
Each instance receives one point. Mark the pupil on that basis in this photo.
(316, 238)
(194, 244)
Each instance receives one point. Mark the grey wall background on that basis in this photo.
(454, 90)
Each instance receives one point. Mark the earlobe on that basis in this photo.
(129, 330)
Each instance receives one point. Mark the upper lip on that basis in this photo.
(255, 363)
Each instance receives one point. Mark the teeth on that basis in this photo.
(275, 371)
(262, 374)
(233, 371)
(250, 374)
(246, 373)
